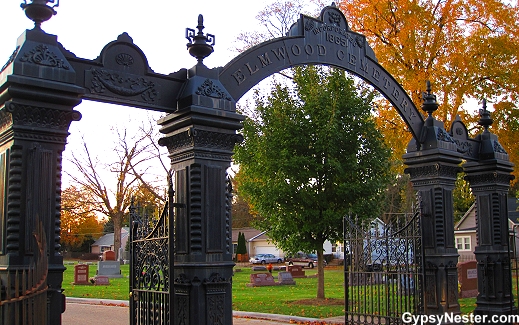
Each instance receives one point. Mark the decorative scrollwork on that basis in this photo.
(124, 85)
(334, 18)
(309, 25)
(150, 246)
(41, 116)
(498, 148)
(42, 56)
(209, 89)
(464, 147)
(442, 135)
(124, 59)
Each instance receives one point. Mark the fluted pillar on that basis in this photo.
(36, 108)
(433, 167)
(489, 179)
(200, 138)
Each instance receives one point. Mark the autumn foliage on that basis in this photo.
(79, 224)
(467, 48)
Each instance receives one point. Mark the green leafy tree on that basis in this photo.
(462, 197)
(310, 156)
(241, 216)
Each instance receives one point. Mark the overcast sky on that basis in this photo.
(156, 26)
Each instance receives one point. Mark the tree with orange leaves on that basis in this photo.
(468, 48)
(79, 223)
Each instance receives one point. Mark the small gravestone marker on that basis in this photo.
(261, 279)
(102, 280)
(296, 271)
(286, 278)
(468, 279)
(81, 274)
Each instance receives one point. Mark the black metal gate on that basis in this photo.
(384, 273)
(151, 264)
(23, 292)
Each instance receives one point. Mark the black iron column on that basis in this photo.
(433, 168)
(490, 180)
(37, 98)
(200, 137)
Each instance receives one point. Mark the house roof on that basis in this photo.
(463, 223)
(250, 234)
(108, 239)
(470, 212)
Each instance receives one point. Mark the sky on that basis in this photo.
(156, 26)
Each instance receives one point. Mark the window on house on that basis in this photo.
(463, 243)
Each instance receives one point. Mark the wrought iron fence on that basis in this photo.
(150, 268)
(23, 297)
(514, 267)
(384, 276)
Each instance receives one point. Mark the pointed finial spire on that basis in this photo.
(429, 100)
(485, 119)
(200, 46)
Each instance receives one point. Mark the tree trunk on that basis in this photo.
(117, 219)
(320, 273)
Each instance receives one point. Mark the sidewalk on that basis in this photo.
(115, 312)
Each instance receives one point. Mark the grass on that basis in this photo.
(118, 288)
(285, 300)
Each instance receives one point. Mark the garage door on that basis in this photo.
(266, 250)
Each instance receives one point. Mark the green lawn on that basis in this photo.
(275, 299)
(118, 288)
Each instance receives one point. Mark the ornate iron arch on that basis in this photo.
(326, 40)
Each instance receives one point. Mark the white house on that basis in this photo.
(465, 231)
(258, 243)
(106, 242)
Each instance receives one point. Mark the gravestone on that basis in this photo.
(468, 279)
(261, 280)
(259, 268)
(81, 274)
(111, 269)
(296, 271)
(108, 256)
(285, 278)
(102, 280)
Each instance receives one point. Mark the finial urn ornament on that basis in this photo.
(38, 10)
(200, 46)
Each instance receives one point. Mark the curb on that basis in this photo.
(273, 317)
(237, 314)
(106, 302)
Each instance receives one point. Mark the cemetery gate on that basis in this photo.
(384, 269)
(151, 265)
(188, 280)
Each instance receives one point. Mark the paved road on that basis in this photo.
(115, 312)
